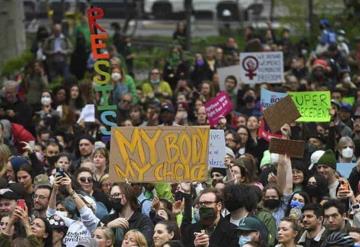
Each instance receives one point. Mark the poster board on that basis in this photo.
(217, 149)
(159, 154)
(292, 148)
(284, 111)
(261, 67)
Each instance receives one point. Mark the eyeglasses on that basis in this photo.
(86, 180)
(106, 185)
(206, 203)
(116, 195)
(41, 197)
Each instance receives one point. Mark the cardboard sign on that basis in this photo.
(225, 72)
(159, 154)
(269, 98)
(261, 67)
(217, 148)
(218, 107)
(313, 106)
(284, 111)
(345, 169)
(290, 147)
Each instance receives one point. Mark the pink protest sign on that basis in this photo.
(218, 107)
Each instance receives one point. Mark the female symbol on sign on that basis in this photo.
(250, 64)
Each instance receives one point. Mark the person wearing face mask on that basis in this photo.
(201, 71)
(252, 229)
(346, 150)
(123, 84)
(211, 230)
(126, 214)
(156, 87)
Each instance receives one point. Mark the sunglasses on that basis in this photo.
(86, 180)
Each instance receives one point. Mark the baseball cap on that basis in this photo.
(250, 224)
(315, 156)
(8, 194)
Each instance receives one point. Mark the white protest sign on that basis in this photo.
(225, 72)
(261, 67)
(87, 113)
(216, 148)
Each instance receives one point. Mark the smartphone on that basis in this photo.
(21, 203)
(59, 172)
(178, 196)
(344, 186)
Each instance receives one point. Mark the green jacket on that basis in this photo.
(266, 217)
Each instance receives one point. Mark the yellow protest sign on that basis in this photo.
(159, 154)
(313, 106)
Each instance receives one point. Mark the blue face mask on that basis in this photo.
(296, 204)
(244, 240)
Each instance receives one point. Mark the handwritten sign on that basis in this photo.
(218, 107)
(261, 67)
(217, 148)
(269, 98)
(290, 147)
(284, 111)
(159, 154)
(103, 85)
(313, 106)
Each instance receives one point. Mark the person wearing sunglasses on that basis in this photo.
(84, 183)
(80, 228)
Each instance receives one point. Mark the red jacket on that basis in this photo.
(20, 134)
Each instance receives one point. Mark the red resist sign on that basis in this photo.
(218, 107)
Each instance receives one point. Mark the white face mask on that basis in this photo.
(347, 152)
(116, 76)
(62, 213)
(45, 100)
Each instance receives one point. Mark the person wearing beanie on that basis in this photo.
(326, 166)
(218, 173)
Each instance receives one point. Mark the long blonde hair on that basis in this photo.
(139, 238)
(5, 154)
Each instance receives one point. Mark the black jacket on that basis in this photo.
(223, 235)
(137, 221)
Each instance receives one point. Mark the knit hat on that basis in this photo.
(17, 162)
(328, 159)
(222, 171)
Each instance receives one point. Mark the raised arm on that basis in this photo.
(284, 175)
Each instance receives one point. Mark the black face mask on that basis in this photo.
(272, 203)
(116, 205)
(207, 216)
(312, 190)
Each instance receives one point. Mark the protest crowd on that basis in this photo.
(55, 186)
